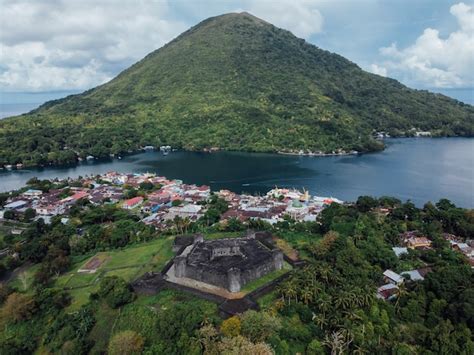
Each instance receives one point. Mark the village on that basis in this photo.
(414, 241)
(160, 200)
(161, 203)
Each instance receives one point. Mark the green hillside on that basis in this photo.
(237, 83)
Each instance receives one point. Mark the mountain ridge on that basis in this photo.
(234, 82)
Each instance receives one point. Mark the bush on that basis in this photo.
(115, 291)
(231, 327)
(127, 342)
(18, 307)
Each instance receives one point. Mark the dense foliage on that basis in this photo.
(233, 82)
(328, 306)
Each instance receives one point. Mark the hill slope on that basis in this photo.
(234, 82)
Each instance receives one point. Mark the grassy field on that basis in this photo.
(251, 286)
(128, 263)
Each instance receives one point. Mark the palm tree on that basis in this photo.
(320, 320)
(401, 292)
(306, 295)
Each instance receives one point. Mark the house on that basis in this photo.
(132, 203)
(15, 205)
(187, 211)
(465, 249)
(399, 251)
(75, 197)
(418, 243)
(50, 210)
(32, 193)
(417, 274)
(392, 277)
(413, 240)
(387, 292)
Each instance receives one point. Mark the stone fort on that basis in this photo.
(228, 263)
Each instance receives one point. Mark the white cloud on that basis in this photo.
(301, 17)
(435, 61)
(376, 69)
(61, 44)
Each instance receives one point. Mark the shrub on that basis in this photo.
(115, 291)
(231, 327)
(127, 342)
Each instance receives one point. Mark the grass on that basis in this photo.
(251, 286)
(267, 301)
(23, 280)
(137, 254)
(80, 296)
(128, 274)
(128, 263)
(81, 279)
(102, 330)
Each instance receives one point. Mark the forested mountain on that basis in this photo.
(234, 82)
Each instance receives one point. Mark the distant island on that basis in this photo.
(232, 82)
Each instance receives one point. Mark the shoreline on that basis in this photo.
(78, 162)
(320, 155)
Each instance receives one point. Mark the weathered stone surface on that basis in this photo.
(229, 263)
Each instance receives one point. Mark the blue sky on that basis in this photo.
(73, 45)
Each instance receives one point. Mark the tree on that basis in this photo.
(146, 185)
(127, 342)
(18, 307)
(30, 213)
(366, 203)
(176, 203)
(240, 345)
(9, 214)
(315, 348)
(259, 326)
(231, 327)
(115, 291)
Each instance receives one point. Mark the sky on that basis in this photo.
(63, 46)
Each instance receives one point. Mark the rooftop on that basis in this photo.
(245, 253)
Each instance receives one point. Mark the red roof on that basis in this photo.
(79, 195)
(133, 201)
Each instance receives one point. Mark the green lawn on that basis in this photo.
(80, 279)
(138, 254)
(128, 263)
(128, 274)
(80, 296)
(251, 286)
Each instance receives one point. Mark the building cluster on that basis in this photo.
(161, 200)
(415, 240)
(273, 206)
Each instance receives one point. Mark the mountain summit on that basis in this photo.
(234, 82)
